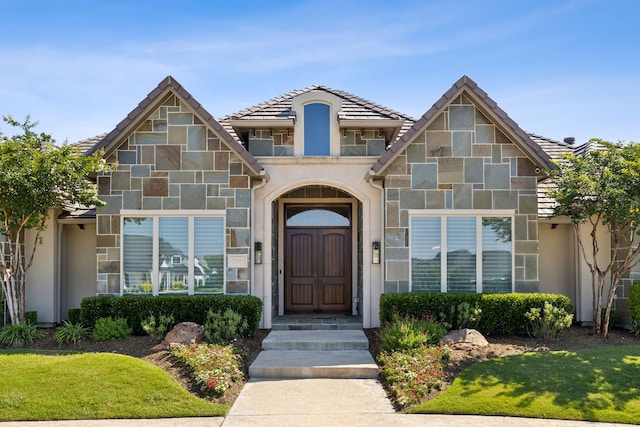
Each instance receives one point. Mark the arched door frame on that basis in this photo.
(275, 195)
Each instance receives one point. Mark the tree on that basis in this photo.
(35, 178)
(602, 189)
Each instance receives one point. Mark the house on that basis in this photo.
(314, 201)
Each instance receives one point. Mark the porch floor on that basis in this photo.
(316, 321)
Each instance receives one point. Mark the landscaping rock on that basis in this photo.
(464, 338)
(182, 333)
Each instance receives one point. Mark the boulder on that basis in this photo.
(182, 333)
(464, 338)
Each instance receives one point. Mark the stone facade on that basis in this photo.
(280, 142)
(270, 142)
(461, 162)
(362, 142)
(173, 162)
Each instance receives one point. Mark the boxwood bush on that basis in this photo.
(183, 308)
(634, 307)
(501, 313)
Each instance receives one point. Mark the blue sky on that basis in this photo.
(558, 68)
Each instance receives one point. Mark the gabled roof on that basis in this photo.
(486, 105)
(278, 111)
(167, 87)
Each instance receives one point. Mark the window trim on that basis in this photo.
(443, 214)
(155, 215)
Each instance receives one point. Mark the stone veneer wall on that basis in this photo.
(362, 143)
(271, 142)
(621, 303)
(279, 142)
(461, 161)
(173, 162)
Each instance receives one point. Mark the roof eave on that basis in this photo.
(262, 123)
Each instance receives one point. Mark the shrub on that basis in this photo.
(108, 328)
(501, 313)
(71, 332)
(183, 308)
(634, 307)
(18, 335)
(549, 322)
(31, 317)
(224, 328)
(73, 315)
(215, 367)
(158, 328)
(407, 333)
(145, 287)
(413, 374)
(463, 315)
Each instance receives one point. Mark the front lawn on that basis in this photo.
(92, 386)
(599, 384)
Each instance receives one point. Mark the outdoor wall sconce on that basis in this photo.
(258, 252)
(375, 252)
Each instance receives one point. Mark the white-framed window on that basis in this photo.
(477, 248)
(172, 253)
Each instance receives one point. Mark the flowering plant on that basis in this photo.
(215, 367)
(412, 374)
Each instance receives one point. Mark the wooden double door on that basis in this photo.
(318, 269)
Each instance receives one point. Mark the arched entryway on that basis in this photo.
(319, 247)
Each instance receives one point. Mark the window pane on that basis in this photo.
(496, 255)
(137, 247)
(425, 254)
(316, 130)
(461, 254)
(301, 216)
(209, 255)
(173, 243)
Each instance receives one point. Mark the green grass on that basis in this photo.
(600, 384)
(92, 386)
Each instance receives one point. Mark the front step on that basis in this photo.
(316, 340)
(307, 323)
(314, 364)
(314, 354)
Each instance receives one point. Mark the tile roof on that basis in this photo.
(88, 144)
(353, 108)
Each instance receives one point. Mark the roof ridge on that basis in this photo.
(367, 103)
(378, 108)
(272, 101)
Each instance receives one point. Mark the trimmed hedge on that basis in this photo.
(501, 313)
(184, 308)
(634, 301)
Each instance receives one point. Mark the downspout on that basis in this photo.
(383, 202)
(264, 178)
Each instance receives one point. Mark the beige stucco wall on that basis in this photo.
(584, 295)
(346, 174)
(78, 267)
(558, 260)
(40, 278)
